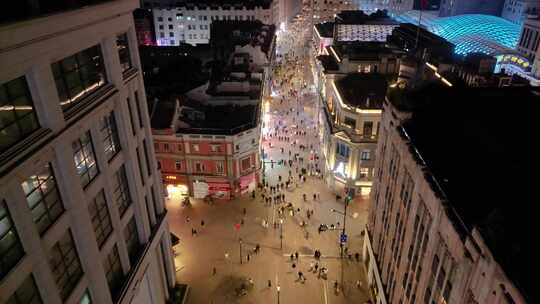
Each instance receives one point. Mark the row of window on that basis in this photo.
(212, 18)
(166, 147)
(343, 150)
(367, 130)
(75, 76)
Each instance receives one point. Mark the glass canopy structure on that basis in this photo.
(471, 33)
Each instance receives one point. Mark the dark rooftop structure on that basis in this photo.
(325, 29)
(225, 34)
(198, 118)
(477, 148)
(365, 50)
(359, 17)
(366, 91)
(430, 46)
(328, 62)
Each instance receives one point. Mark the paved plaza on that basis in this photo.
(217, 242)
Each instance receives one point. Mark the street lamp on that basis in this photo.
(280, 236)
(344, 222)
(278, 288)
(240, 243)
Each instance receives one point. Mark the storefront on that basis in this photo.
(176, 186)
(248, 183)
(219, 188)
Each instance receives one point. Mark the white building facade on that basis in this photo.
(191, 23)
(517, 11)
(81, 204)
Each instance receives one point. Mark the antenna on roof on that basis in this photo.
(423, 4)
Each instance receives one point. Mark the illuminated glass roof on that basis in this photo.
(471, 32)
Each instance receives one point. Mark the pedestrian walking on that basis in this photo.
(248, 257)
(296, 255)
(202, 223)
(214, 271)
(293, 265)
(245, 211)
(358, 284)
(269, 283)
(187, 219)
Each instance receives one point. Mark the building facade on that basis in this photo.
(190, 22)
(348, 130)
(422, 245)
(326, 10)
(81, 204)
(517, 11)
(392, 6)
(460, 7)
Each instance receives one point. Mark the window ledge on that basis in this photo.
(93, 99)
(129, 74)
(13, 155)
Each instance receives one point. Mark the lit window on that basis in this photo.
(85, 159)
(18, 118)
(109, 134)
(11, 250)
(43, 198)
(196, 148)
(219, 167)
(101, 220)
(178, 165)
(65, 265)
(215, 148)
(366, 155)
(122, 197)
(79, 75)
(364, 172)
(122, 45)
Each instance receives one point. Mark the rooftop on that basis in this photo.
(470, 32)
(198, 118)
(477, 146)
(365, 50)
(365, 91)
(328, 62)
(227, 33)
(359, 17)
(325, 29)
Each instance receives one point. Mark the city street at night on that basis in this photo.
(290, 112)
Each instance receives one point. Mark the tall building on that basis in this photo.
(460, 7)
(326, 10)
(81, 206)
(444, 227)
(190, 21)
(517, 11)
(200, 153)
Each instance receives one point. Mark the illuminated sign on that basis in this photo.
(171, 177)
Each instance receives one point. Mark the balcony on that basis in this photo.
(28, 9)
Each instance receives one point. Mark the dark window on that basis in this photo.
(122, 44)
(139, 109)
(160, 19)
(85, 159)
(178, 165)
(121, 190)
(350, 122)
(65, 265)
(109, 133)
(132, 240)
(368, 128)
(131, 116)
(140, 164)
(114, 272)
(170, 26)
(366, 155)
(147, 158)
(342, 150)
(11, 250)
(43, 198)
(161, 26)
(79, 75)
(171, 34)
(26, 293)
(17, 118)
(101, 220)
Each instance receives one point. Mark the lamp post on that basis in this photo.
(280, 236)
(344, 222)
(240, 243)
(278, 289)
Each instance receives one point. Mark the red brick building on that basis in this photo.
(208, 149)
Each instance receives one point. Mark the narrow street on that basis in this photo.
(291, 153)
